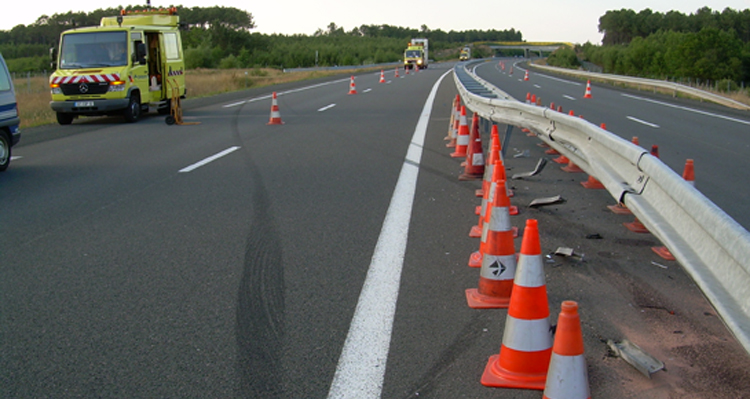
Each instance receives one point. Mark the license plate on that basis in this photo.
(84, 104)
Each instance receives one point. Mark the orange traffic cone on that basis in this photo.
(473, 133)
(511, 70)
(488, 187)
(592, 183)
(474, 169)
(528, 98)
(453, 118)
(572, 168)
(498, 256)
(620, 209)
(526, 76)
(562, 159)
(352, 86)
(588, 90)
(456, 124)
(462, 140)
(492, 155)
(275, 118)
(567, 376)
(382, 76)
(655, 150)
(527, 340)
(689, 172)
(636, 226)
(396, 73)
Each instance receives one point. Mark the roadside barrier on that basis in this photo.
(712, 247)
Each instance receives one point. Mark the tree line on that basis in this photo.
(222, 37)
(706, 46)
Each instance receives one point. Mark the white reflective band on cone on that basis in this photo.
(500, 219)
(531, 275)
(498, 267)
(567, 378)
(477, 159)
(527, 335)
(463, 139)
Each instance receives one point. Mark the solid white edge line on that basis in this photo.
(209, 159)
(361, 368)
(634, 119)
(697, 111)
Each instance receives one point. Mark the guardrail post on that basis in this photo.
(504, 147)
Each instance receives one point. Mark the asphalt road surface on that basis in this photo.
(226, 259)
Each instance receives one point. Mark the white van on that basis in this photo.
(9, 121)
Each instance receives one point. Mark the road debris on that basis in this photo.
(538, 169)
(546, 201)
(595, 236)
(636, 357)
(659, 264)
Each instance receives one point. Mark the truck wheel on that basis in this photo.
(4, 151)
(170, 120)
(133, 111)
(65, 119)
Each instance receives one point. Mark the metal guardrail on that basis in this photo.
(710, 245)
(661, 84)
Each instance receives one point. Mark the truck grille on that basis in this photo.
(84, 88)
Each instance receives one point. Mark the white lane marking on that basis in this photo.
(569, 97)
(281, 93)
(329, 106)
(209, 159)
(361, 368)
(537, 86)
(560, 80)
(13, 158)
(234, 104)
(655, 126)
(366, 90)
(697, 111)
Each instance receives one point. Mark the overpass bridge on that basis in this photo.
(527, 47)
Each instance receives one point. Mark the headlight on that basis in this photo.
(116, 86)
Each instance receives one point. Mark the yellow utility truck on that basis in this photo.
(120, 67)
(416, 54)
(465, 54)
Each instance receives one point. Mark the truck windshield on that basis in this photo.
(94, 49)
(413, 53)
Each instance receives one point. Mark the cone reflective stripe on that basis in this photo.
(382, 76)
(451, 132)
(275, 118)
(352, 86)
(456, 125)
(567, 377)
(474, 169)
(689, 172)
(462, 140)
(527, 339)
(588, 90)
(494, 141)
(498, 256)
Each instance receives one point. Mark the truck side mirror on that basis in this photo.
(53, 57)
(140, 53)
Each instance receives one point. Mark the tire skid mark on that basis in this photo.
(260, 307)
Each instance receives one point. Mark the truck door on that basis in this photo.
(138, 71)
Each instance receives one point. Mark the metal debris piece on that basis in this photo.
(636, 357)
(564, 251)
(595, 236)
(539, 166)
(524, 154)
(546, 201)
(659, 264)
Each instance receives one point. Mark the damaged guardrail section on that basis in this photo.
(710, 245)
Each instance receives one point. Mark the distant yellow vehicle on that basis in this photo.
(119, 67)
(465, 54)
(416, 54)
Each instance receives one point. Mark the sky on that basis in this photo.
(541, 20)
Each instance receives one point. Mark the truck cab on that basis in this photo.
(120, 67)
